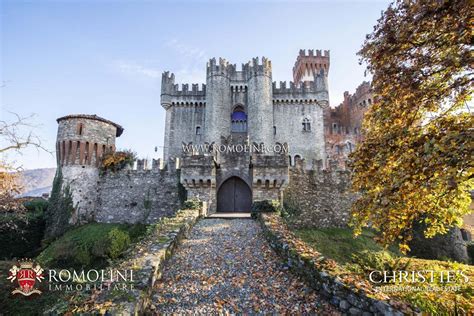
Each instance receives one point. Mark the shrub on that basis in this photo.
(36, 205)
(21, 232)
(90, 245)
(83, 255)
(265, 206)
(369, 260)
(115, 161)
(192, 204)
(289, 210)
(118, 242)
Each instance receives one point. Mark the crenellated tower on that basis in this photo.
(218, 99)
(183, 106)
(260, 101)
(308, 65)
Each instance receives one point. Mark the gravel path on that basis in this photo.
(226, 266)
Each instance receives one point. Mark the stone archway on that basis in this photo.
(234, 195)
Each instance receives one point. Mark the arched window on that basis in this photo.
(274, 130)
(239, 120)
(306, 125)
(198, 130)
(334, 128)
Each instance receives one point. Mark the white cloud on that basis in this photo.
(135, 68)
(193, 54)
(192, 59)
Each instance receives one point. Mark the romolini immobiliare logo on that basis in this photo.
(26, 274)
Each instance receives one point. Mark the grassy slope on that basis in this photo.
(339, 243)
(85, 237)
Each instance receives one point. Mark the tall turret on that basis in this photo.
(260, 104)
(81, 142)
(310, 64)
(218, 99)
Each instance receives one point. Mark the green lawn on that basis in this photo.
(339, 243)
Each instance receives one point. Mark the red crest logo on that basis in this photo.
(26, 276)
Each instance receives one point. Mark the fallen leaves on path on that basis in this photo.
(226, 266)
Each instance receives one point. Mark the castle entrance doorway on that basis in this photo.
(234, 195)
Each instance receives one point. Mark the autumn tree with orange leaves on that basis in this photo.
(415, 164)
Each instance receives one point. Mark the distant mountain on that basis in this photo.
(35, 182)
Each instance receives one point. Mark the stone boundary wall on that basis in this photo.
(146, 259)
(137, 196)
(320, 198)
(321, 275)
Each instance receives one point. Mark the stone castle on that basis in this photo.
(237, 139)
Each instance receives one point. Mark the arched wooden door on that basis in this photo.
(234, 195)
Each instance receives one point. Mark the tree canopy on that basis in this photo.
(415, 163)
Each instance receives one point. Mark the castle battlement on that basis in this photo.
(151, 165)
(319, 53)
(220, 67)
(175, 94)
(302, 91)
(308, 64)
(257, 67)
(169, 87)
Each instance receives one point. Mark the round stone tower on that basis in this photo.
(218, 100)
(81, 142)
(260, 105)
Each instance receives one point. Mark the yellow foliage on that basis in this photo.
(415, 163)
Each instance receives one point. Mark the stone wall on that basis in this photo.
(142, 195)
(352, 296)
(269, 176)
(321, 198)
(83, 183)
(198, 177)
(185, 123)
(288, 120)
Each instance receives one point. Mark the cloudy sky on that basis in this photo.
(106, 57)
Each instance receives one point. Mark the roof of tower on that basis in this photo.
(92, 117)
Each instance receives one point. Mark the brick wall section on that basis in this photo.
(83, 139)
(322, 197)
(342, 124)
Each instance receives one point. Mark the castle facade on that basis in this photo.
(237, 139)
